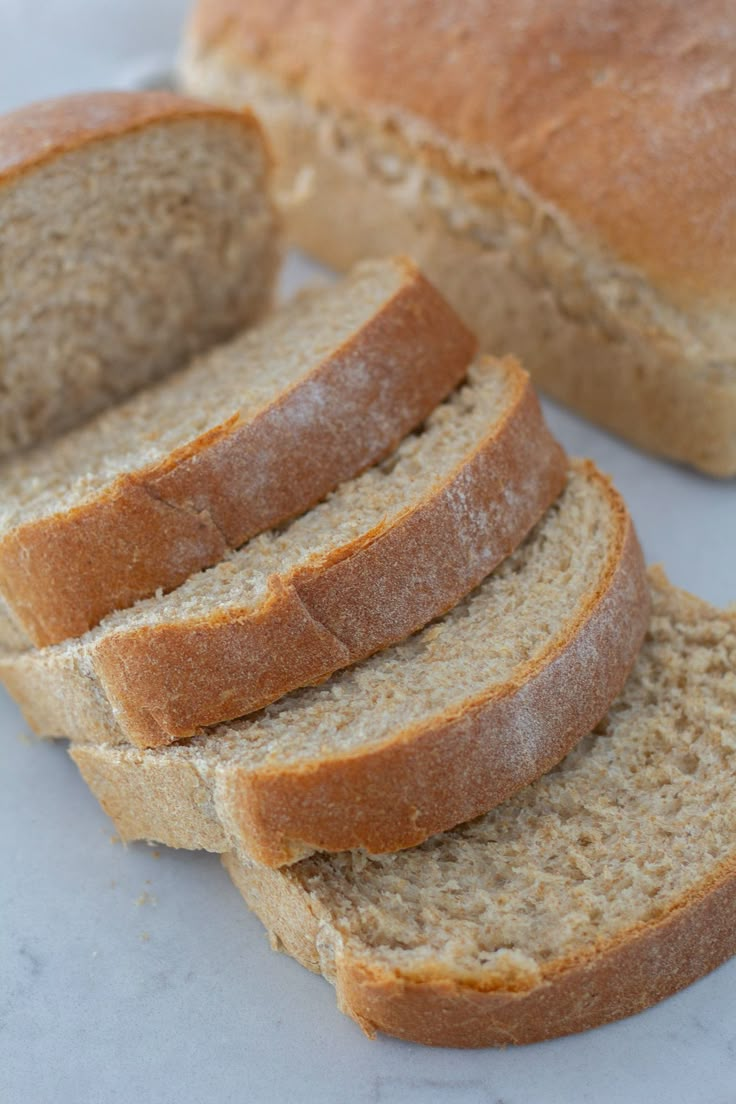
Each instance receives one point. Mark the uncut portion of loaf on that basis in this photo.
(136, 230)
(252, 433)
(377, 560)
(533, 161)
(604, 887)
(440, 728)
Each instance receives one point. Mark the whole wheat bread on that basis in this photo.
(532, 158)
(606, 886)
(136, 230)
(252, 433)
(417, 739)
(383, 555)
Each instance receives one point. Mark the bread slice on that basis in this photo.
(253, 433)
(381, 557)
(606, 886)
(419, 738)
(136, 230)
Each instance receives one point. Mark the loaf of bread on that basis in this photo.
(136, 230)
(381, 557)
(331, 598)
(563, 170)
(434, 731)
(252, 433)
(606, 886)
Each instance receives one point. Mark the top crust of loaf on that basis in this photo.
(617, 113)
(35, 134)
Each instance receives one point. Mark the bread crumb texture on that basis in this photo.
(635, 821)
(126, 250)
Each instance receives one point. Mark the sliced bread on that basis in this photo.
(136, 230)
(440, 728)
(601, 889)
(377, 560)
(252, 433)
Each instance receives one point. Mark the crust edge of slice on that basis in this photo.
(60, 574)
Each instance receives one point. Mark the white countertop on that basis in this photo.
(137, 975)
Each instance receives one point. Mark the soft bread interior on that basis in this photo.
(121, 260)
(528, 602)
(234, 380)
(522, 616)
(378, 497)
(635, 820)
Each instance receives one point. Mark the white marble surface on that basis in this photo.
(128, 974)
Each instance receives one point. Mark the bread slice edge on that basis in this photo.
(633, 970)
(62, 574)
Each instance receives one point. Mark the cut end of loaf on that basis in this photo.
(139, 230)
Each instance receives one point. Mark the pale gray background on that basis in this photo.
(129, 975)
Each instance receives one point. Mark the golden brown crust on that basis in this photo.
(631, 972)
(39, 132)
(619, 114)
(167, 681)
(61, 574)
(421, 780)
(635, 971)
(640, 383)
(651, 360)
(463, 764)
